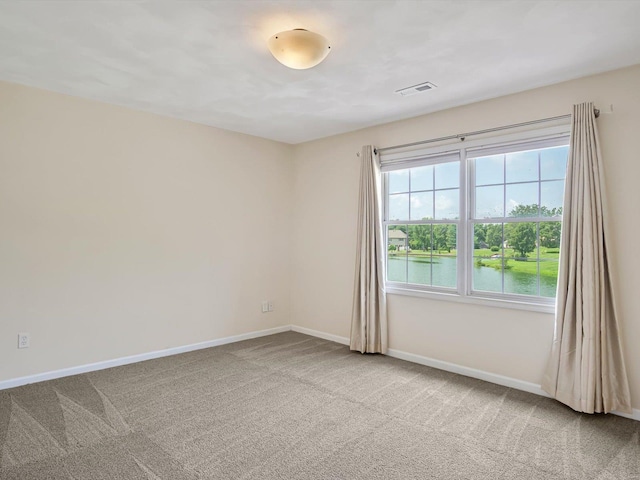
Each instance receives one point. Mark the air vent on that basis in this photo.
(421, 87)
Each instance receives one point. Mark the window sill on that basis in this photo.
(473, 299)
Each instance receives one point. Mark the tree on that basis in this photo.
(402, 228)
(494, 235)
(521, 237)
(444, 237)
(551, 212)
(550, 234)
(420, 237)
(532, 211)
(452, 237)
(479, 235)
(525, 211)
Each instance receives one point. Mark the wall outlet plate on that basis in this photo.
(24, 340)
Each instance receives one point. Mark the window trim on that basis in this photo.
(410, 158)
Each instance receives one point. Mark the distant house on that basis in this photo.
(398, 239)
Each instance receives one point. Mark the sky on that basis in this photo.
(502, 182)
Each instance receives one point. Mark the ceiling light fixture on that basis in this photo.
(299, 48)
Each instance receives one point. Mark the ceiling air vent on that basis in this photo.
(421, 87)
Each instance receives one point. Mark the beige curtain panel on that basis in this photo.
(369, 316)
(586, 368)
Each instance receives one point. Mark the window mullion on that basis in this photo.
(463, 227)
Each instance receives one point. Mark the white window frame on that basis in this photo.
(419, 156)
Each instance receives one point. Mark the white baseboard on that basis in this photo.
(439, 364)
(410, 357)
(116, 362)
(454, 368)
(634, 415)
(469, 372)
(317, 333)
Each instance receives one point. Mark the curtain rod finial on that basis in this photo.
(599, 111)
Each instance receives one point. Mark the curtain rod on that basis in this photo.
(462, 136)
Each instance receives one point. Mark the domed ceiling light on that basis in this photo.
(299, 48)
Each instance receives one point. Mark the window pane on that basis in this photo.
(447, 175)
(517, 262)
(447, 204)
(549, 256)
(553, 163)
(399, 181)
(550, 238)
(489, 202)
(521, 238)
(522, 200)
(419, 259)
(521, 277)
(444, 260)
(422, 178)
(490, 170)
(521, 259)
(551, 194)
(490, 237)
(487, 257)
(522, 166)
(420, 239)
(419, 269)
(397, 253)
(422, 206)
(548, 277)
(399, 206)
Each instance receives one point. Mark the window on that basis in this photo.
(481, 221)
(422, 227)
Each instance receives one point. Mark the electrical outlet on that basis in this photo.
(24, 340)
(265, 306)
(270, 306)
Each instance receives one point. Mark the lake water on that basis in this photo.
(421, 270)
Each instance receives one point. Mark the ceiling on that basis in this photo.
(207, 61)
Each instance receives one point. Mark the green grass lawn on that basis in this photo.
(482, 257)
(441, 253)
(424, 256)
(548, 261)
(546, 253)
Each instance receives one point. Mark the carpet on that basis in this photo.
(290, 406)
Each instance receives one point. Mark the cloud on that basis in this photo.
(447, 204)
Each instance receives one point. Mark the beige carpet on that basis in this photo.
(291, 406)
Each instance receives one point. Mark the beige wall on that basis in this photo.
(124, 232)
(501, 341)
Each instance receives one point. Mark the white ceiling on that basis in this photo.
(207, 61)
